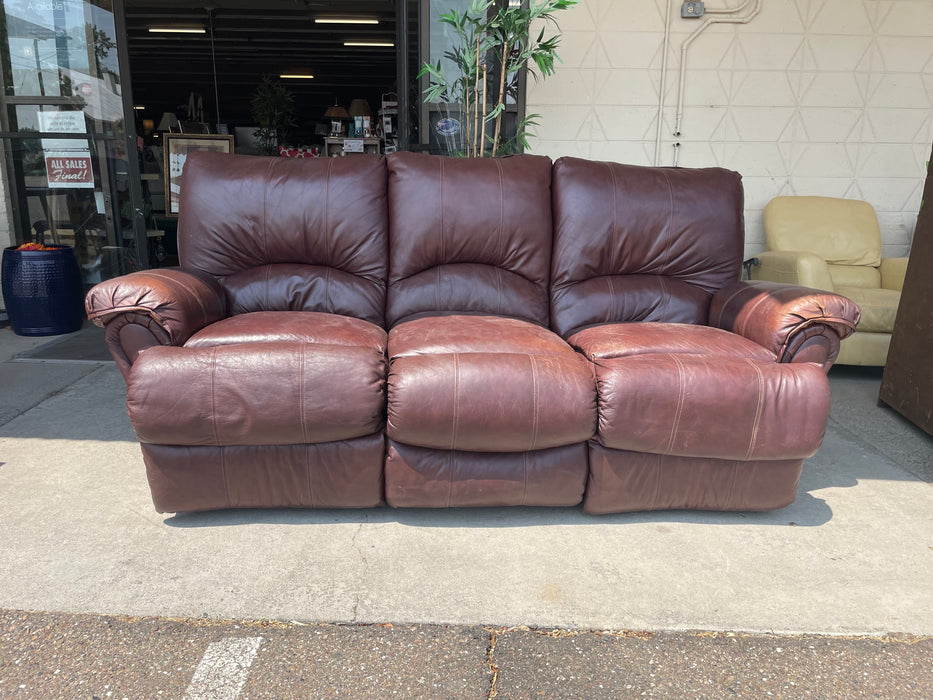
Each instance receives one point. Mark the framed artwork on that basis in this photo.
(176, 148)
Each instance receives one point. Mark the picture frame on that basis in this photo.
(176, 148)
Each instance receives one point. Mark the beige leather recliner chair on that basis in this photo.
(835, 244)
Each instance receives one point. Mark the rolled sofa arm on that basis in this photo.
(797, 324)
(154, 307)
(893, 272)
(793, 267)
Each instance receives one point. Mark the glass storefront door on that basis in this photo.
(72, 164)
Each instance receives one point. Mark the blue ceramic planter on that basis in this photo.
(42, 291)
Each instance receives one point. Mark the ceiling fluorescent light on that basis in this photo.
(296, 76)
(139, 107)
(388, 44)
(177, 30)
(344, 20)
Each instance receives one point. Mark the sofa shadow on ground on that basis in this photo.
(806, 511)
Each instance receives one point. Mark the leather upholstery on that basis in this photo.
(661, 404)
(469, 236)
(621, 481)
(352, 331)
(154, 307)
(426, 478)
(291, 327)
(633, 243)
(181, 302)
(508, 388)
(841, 231)
(630, 339)
(289, 235)
(343, 474)
(773, 314)
(893, 272)
(271, 393)
(877, 307)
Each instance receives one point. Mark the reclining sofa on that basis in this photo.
(421, 331)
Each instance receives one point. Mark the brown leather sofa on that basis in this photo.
(432, 332)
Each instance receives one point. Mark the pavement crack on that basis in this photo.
(491, 663)
(354, 544)
(365, 563)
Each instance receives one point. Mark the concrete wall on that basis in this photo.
(811, 97)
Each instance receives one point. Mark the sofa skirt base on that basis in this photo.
(421, 477)
(621, 481)
(341, 474)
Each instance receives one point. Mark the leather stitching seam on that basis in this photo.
(213, 396)
(534, 398)
(681, 392)
(301, 394)
(758, 411)
(456, 402)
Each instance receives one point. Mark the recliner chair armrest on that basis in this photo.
(154, 307)
(893, 271)
(797, 324)
(793, 267)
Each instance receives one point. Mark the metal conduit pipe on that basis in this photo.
(664, 50)
(727, 10)
(745, 19)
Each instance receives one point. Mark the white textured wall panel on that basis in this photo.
(811, 97)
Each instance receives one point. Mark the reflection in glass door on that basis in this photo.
(72, 165)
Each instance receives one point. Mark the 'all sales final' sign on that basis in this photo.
(69, 170)
(67, 161)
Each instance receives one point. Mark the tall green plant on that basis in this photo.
(273, 107)
(493, 47)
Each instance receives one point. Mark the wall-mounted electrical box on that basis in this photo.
(692, 9)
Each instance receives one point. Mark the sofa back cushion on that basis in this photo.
(636, 243)
(469, 236)
(285, 234)
(841, 231)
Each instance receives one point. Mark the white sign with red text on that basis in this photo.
(67, 161)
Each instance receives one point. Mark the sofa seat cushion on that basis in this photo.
(257, 394)
(878, 307)
(290, 327)
(629, 339)
(711, 406)
(486, 384)
(439, 335)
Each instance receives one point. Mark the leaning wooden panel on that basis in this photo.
(907, 384)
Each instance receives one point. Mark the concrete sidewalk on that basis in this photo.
(853, 555)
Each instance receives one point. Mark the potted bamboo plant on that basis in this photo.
(494, 44)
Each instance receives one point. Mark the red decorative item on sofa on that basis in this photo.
(437, 332)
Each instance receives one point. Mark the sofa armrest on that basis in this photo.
(154, 307)
(797, 324)
(793, 267)
(893, 271)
